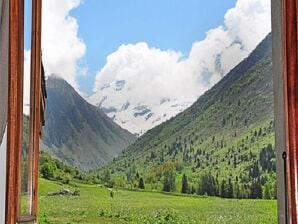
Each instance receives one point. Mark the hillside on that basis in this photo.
(77, 132)
(223, 143)
(94, 205)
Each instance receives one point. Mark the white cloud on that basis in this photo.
(61, 46)
(151, 74)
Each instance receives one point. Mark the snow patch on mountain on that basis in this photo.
(136, 116)
(140, 86)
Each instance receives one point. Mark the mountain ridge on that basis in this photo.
(220, 86)
(77, 132)
(226, 132)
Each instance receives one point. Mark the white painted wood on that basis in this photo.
(280, 143)
(4, 26)
(3, 176)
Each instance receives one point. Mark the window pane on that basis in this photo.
(26, 159)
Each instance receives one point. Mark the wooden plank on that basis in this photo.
(37, 5)
(290, 72)
(279, 113)
(27, 218)
(20, 102)
(15, 107)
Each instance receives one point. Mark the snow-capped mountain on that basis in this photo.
(133, 113)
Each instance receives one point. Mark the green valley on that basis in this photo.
(94, 205)
(212, 163)
(223, 144)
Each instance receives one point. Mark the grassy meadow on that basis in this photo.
(94, 205)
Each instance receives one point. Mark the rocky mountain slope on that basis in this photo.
(77, 132)
(226, 138)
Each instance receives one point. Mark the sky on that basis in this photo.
(104, 25)
(156, 49)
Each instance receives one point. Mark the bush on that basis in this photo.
(47, 170)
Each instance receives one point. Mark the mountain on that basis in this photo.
(77, 132)
(225, 140)
(135, 115)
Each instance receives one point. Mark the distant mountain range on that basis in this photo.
(223, 143)
(77, 132)
(228, 131)
(137, 117)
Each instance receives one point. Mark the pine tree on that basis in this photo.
(207, 185)
(267, 193)
(137, 175)
(223, 189)
(223, 123)
(229, 189)
(256, 190)
(184, 184)
(254, 170)
(141, 183)
(106, 177)
(169, 181)
(235, 161)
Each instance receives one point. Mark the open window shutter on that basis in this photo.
(4, 10)
(4, 26)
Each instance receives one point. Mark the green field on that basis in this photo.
(94, 205)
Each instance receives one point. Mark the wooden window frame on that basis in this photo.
(290, 75)
(15, 110)
(285, 66)
(285, 37)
